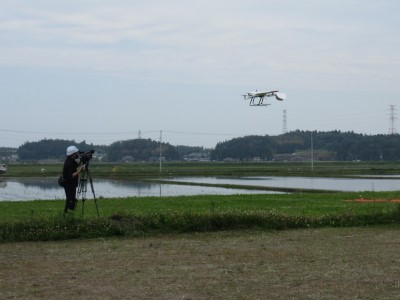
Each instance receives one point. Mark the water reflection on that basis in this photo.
(48, 189)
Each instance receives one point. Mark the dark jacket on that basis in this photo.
(70, 167)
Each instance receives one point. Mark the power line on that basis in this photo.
(19, 136)
(116, 133)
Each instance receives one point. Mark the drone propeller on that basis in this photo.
(280, 96)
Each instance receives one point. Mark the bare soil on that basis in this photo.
(346, 263)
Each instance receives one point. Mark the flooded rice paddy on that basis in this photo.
(47, 188)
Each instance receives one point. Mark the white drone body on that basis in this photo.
(261, 95)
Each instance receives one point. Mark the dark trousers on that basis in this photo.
(70, 202)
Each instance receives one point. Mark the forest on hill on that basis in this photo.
(300, 145)
(292, 146)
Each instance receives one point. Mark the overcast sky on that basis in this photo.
(103, 71)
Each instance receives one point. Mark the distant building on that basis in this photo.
(156, 159)
(197, 156)
(128, 158)
(318, 155)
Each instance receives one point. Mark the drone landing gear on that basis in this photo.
(260, 102)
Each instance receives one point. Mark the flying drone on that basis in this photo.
(253, 96)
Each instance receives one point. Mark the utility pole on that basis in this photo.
(160, 148)
(284, 127)
(392, 118)
(312, 153)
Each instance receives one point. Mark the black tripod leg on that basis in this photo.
(94, 195)
(82, 188)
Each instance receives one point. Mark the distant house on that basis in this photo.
(305, 155)
(128, 158)
(197, 156)
(156, 158)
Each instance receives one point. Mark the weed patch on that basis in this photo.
(61, 228)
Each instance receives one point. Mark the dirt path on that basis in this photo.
(351, 263)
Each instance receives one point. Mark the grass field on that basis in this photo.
(144, 216)
(272, 246)
(43, 220)
(329, 263)
(291, 204)
(152, 170)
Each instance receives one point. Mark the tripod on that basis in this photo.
(82, 187)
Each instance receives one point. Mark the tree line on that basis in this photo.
(295, 145)
(298, 145)
(129, 150)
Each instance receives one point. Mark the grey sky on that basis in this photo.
(102, 71)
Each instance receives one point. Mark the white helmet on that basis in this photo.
(71, 150)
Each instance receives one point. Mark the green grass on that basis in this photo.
(152, 170)
(309, 204)
(44, 220)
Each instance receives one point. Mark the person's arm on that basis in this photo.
(78, 171)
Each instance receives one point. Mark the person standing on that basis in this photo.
(71, 171)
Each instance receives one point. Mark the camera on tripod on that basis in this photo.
(85, 157)
(84, 177)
